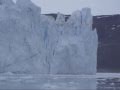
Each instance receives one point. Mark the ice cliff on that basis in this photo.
(38, 44)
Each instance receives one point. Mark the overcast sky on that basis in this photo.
(99, 7)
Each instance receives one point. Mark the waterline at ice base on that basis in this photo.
(39, 51)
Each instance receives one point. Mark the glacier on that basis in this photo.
(33, 43)
(42, 52)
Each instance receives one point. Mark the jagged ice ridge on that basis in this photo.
(38, 44)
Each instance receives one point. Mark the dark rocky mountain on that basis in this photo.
(108, 28)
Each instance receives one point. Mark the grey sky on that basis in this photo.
(99, 7)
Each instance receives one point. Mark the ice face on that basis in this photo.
(6, 2)
(27, 5)
(39, 44)
(60, 19)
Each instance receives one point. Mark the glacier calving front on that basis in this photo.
(38, 44)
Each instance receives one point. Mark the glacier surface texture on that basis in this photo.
(33, 43)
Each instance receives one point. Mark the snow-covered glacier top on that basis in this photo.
(39, 44)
